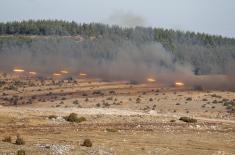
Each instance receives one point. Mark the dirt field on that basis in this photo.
(120, 118)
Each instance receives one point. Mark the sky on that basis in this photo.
(208, 16)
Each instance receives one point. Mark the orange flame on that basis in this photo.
(151, 80)
(83, 74)
(32, 73)
(64, 72)
(179, 84)
(18, 70)
(56, 74)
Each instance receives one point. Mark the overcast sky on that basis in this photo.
(210, 16)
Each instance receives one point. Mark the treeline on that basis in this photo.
(62, 28)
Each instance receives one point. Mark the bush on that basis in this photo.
(19, 140)
(216, 96)
(74, 118)
(7, 139)
(138, 100)
(198, 88)
(112, 92)
(63, 98)
(21, 152)
(112, 130)
(106, 104)
(75, 102)
(133, 82)
(87, 143)
(189, 99)
(52, 117)
(188, 119)
(110, 98)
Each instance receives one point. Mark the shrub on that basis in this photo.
(97, 92)
(7, 139)
(112, 92)
(151, 99)
(75, 102)
(225, 100)
(87, 143)
(138, 100)
(106, 104)
(189, 99)
(74, 118)
(133, 82)
(112, 130)
(19, 140)
(188, 119)
(52, 117)
(84, 94)
(198, 88)
(216, 96)
(21, 152)
(154, 107)
(81, 119)
(110, 98)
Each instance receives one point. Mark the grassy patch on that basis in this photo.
(188, 120)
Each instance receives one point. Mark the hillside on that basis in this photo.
(103, 44)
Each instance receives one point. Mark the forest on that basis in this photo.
(207, 54)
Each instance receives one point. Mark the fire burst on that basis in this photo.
(179, 84)
(83, 74)
(18, 70)
(64, 72)
(151, 80)
(32, 73)
(56, 74)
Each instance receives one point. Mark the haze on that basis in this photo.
(210, 16)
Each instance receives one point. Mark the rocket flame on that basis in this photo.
(18, 70)
(32, 73)
(151, 80)
(64, 72)
(56, 74)
(83, 74)
(179, 84)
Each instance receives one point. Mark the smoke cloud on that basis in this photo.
(105, 58)
(109, 58)
(126, 19)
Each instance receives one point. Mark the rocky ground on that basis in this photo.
(117, 117)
